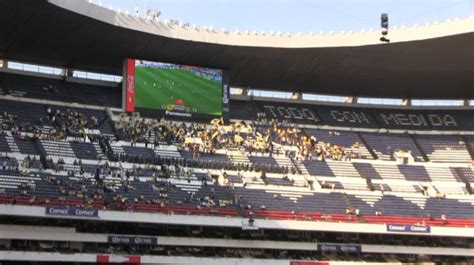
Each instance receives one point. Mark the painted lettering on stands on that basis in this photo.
(349, 116)
(294, 113)
(421, 120)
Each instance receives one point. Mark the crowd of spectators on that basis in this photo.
(271, 139)
(188, 137)
(56, 124)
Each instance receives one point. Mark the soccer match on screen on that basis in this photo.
(176, 87)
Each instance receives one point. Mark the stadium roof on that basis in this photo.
(425, 62)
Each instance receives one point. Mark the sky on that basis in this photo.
(303, 16)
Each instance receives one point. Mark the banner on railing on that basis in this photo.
(408, 228)
(72, 212)
(339, 248)
(132, 240)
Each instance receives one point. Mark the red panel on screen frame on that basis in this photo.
(130, 86)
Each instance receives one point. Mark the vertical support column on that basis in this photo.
(466, 103)
(406, 102)
(351, 100)
(297, 96)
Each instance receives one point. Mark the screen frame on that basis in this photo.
(130, 90)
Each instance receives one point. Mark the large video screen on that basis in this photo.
(178, 88)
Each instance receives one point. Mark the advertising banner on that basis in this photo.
(408, 228)
(72, 212)
(132, 240)
(130, 86)
(339, 248)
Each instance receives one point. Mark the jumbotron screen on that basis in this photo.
(178, 88)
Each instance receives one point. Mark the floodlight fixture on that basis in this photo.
(384, 27)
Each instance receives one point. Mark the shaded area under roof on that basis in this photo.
(42, 33)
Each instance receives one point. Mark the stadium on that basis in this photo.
(128, 139)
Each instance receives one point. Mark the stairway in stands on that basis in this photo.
(301, 167)
(469, 146)
(422, 152)
(11, 142)
(167, 151)
(367, 146)
(283, 161)
(100, 153)
(351, 206)
(236, 156)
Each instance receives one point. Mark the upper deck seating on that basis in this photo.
(348, 140)
(384, 145)
(444, 148)
(60, 90)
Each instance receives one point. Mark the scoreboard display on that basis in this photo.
(174, 89)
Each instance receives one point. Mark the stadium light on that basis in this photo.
(384, 26)
(137, 11)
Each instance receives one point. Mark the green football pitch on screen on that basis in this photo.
(178, 88)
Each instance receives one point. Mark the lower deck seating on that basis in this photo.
(84, 150)
(368, 186)
(318, 168)
(28, 146)
(4, 147)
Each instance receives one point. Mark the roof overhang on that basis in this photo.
(424, 62)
